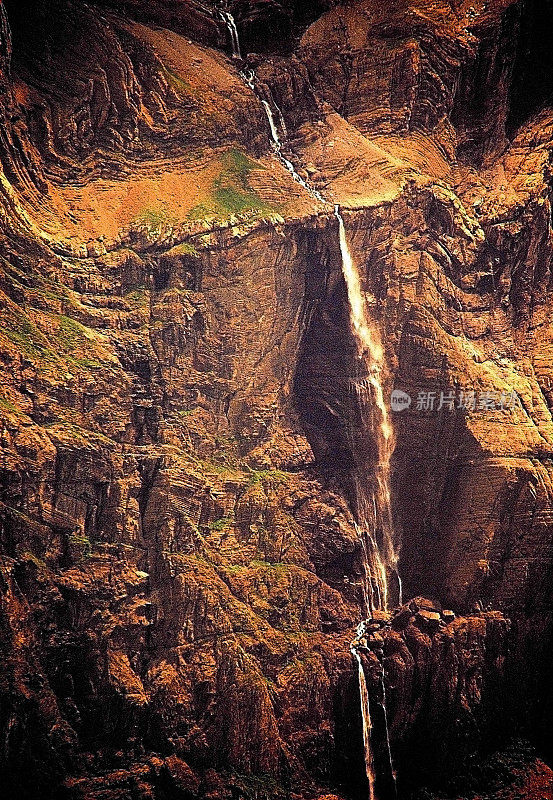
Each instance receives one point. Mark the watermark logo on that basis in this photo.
(400, 400)
(465, 400)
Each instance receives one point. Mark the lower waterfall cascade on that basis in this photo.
(373, 512)
(365, 715)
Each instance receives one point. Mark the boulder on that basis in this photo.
(428, 619)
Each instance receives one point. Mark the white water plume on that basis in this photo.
(375, 512)
(366, 716)
(233, 30)
(374, 505)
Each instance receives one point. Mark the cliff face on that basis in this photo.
(181, 571)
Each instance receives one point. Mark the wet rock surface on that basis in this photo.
(453, 667)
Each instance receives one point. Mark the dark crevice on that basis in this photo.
(532, 80)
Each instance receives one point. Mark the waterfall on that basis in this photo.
(374, 506)
(366, 716)
(233, 30)
(248, 76)
(277, 147)
(274, 132)
(387, 730)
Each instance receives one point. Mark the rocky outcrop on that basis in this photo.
(453, 666)
(141, 97)
(418, 67)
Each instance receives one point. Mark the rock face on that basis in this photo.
(181, 573)
(453, 666)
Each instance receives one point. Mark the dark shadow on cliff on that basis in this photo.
(532, 80)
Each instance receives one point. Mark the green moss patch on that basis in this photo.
(139, 297)
(59, 345)
(6, 405)
(231, 193)
(181, 86)
(221, 524)
(156, 218)
(273, 477)
(184, 249)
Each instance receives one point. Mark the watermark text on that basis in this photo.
(460, 400)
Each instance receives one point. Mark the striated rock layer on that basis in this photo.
(181, 570)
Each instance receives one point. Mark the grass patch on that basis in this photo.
(235, 569)
(6, 405)
(205, 466)
(184, 249)
(28, 339)
(221, 524)
(72, 333)
(39, 563)
(231, 193)
(78, 344)
(278, 567)
(186, 412)
(66, 343)
(138, 297)
(82, 543)
(155, 219)
(69, 432)
(252, 787)
(274, 477)
(180, 85)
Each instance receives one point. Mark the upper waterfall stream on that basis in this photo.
(233, 30)
(249, 77)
